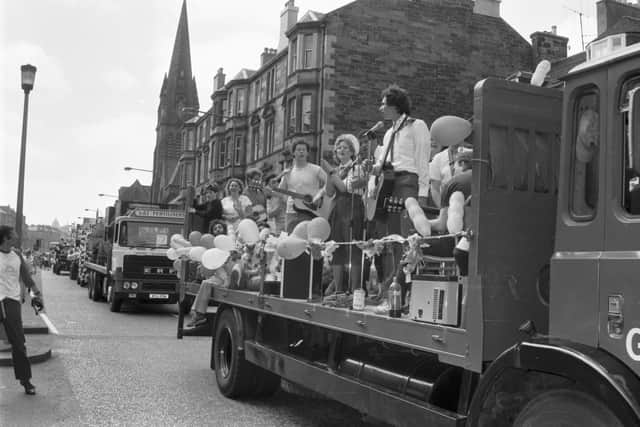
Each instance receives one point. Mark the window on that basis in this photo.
(191, 137)
(189, 174)
(293, 56)
(230, 103)
(291, 124)
(307, 51)
(270, 84)
(240, 102)
(211, 157)
(256, 94)
(255, 143)
(268, 136)
(585, 156)
(631, 176)
(203, 167)
(238, 150)
(306, 113)
(222, 152)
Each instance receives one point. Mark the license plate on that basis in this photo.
(159, 296)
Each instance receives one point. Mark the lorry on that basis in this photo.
(545, 328)
(127, 260)
(63, 262)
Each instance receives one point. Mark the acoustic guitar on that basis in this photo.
(302, 202)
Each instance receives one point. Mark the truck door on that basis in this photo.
(581, 211)
(619, 296)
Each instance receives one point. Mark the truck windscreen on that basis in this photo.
(147, 235)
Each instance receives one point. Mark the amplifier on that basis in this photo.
(435, 301)
(301, 277)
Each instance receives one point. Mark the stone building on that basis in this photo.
(326, 75)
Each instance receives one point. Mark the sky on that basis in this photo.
(100, 68)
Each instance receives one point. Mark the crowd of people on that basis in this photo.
(406, 162)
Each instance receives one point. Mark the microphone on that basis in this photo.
(371, 132)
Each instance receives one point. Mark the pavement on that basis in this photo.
(37, 338)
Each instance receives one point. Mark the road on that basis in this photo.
(129, 369)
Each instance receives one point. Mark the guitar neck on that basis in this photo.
(289, 193)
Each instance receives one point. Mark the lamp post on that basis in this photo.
(96, 211)
(28, 76)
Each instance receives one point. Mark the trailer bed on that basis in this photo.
(451, 344)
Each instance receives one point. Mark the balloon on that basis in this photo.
(172, 254)
(449, 130)
(214, 258)
(291, 247)
(422, 225)
(176, 237)
(207, 240)
(455, 222)
(537, 79)
(411, 202)
(248, 231)
(457, 199)
(300, 230)
(224, 242)
(194, 238)
(177, 266)
(195, 253)
(318, 229)
(183, 252)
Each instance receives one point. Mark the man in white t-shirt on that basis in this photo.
(13, 269)
(303, 178)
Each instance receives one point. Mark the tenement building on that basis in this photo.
(325, 78)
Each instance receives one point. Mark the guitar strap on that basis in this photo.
(392, 141)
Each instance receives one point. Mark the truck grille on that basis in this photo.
(165, 287)
(148, 267)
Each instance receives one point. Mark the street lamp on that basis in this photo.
(28, 76)
(92, 210)
(129, 168)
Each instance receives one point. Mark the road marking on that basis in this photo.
(49, 324)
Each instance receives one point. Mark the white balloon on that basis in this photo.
(224, 242)
(195, 254)
(457, 198)
(183, 252)
(248, 231)
(214, 258)
(455, 223)
(450, 130)
(318, 229)
(423, 226)
(172, 254)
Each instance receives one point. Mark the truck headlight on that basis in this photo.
(126, 285)
(134, 285)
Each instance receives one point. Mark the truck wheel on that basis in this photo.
(234, 375)
(96, 281)
(566, 407)
(114, 303)
(90, 285)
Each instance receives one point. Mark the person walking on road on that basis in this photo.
(14, 269)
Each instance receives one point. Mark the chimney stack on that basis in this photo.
(267, 55)
(288, 19)
(487, 7)
(218, 80)
(548, 45)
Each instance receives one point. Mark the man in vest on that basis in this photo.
(13, 269)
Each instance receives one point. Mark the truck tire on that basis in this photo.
(566, 407)
(96, 281)
(115, 304)
(90, 284)
(234, 375)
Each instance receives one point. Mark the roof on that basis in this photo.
(311, 16)
(626, 24)
(243, 74)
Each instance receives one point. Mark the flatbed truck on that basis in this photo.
(545, 329)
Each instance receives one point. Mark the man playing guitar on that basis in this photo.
(303, 178)
(403, 159)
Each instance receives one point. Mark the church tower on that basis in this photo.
(178, 102)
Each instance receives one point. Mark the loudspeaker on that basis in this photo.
(301, 277)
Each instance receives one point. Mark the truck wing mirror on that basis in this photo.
(634, 127)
